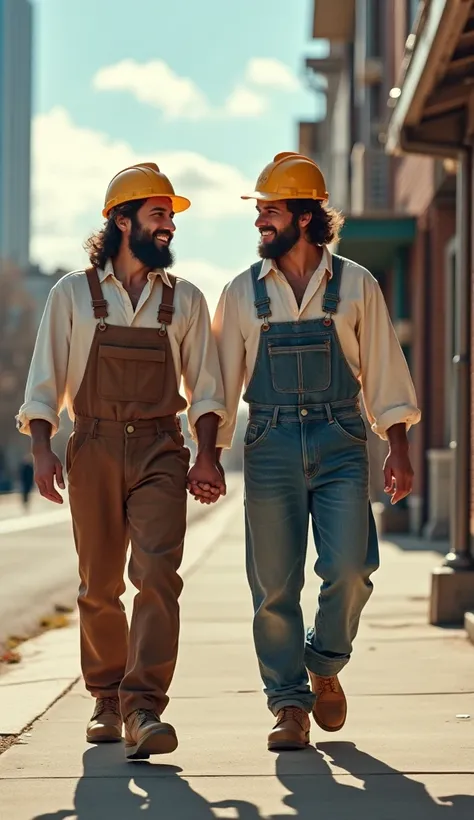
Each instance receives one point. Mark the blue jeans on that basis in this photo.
(296, 469)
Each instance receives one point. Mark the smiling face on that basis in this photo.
(279, 229)
(150, 233)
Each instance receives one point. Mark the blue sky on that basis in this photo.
(209, 90)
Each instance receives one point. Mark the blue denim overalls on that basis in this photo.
(305, 455)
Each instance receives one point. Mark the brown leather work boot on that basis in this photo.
(105, 725)
(291, 730)
(330, 709)
(146, 735)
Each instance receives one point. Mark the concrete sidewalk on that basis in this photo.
(405, 753)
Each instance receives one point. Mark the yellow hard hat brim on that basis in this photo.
(273, 197)
(179, 203)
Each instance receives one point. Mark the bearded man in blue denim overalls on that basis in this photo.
(306, 331)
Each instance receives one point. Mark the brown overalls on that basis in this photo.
(127, 468)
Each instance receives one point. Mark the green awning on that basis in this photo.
(374, 241)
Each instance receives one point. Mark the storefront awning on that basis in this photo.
(430, 107)
(374, 241)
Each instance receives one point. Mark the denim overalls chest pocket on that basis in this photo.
(300, 362)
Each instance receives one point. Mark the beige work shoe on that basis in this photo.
(330, 708)
(105, 725)
(146, 735)
(291, 730)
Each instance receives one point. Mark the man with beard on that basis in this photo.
(114, 342)
(306, 330)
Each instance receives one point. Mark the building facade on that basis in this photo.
(15, 130)
(431, 124)
(379, 233)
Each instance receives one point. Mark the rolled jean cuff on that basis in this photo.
(320, 664)
(306, 702)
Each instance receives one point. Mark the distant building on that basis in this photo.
(15, 130)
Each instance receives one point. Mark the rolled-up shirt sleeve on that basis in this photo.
(200, 367)
(387, 386)
(231, 348)
(45, 387)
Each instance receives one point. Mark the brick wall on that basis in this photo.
(418, 311)
(428, 294)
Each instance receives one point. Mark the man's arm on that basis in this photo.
(44, 394)
(205, 394)
(47, 465)
(397, 469)
(389, 394)
(231, 348)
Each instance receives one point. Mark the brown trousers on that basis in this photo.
(128, 486)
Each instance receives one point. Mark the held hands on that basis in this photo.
(206, 479)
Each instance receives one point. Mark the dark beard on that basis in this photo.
(282, 244)
(144, 248)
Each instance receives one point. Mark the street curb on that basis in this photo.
(50, 663)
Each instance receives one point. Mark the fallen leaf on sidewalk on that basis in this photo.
(10, 656)
(54, 622)
(63, 608)
(15, 640)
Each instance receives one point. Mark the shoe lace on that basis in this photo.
(328, 685)
(292, 713)
(107, 705)
(146, 714)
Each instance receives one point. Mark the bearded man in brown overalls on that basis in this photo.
(114, 343)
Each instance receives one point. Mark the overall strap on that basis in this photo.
(166, 309)
(99, 304)
(262, 300)
(331, 296)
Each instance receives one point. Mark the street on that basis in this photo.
(38, 565)
(404, 752)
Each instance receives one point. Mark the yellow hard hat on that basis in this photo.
(141, 182)
(290, 176)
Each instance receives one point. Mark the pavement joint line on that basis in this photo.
(226, 776)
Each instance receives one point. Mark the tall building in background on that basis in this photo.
(15, 129)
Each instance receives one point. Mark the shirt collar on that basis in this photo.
(109, 271)
(270, 265)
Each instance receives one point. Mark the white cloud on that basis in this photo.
(266, 71)
(243, 102)
(71, 170)
(156, 84)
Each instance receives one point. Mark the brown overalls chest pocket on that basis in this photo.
(131, 373)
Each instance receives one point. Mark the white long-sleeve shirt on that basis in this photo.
(68, 326)
(363, 325)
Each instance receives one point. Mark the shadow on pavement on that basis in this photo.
(112, 788)
(409, 543)
(382, 793)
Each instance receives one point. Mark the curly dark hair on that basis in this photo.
(326, 223)
(105, 244)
